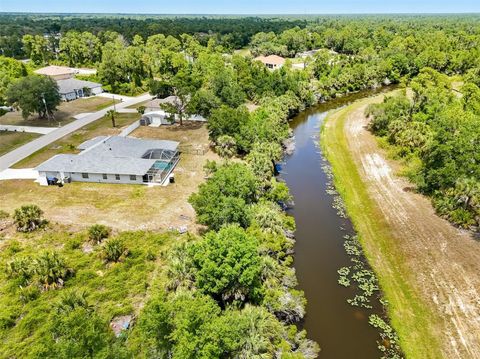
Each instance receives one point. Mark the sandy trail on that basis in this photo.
(445, 260)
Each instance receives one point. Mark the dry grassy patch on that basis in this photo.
(11, 140)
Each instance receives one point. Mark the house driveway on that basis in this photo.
(29, 148)
(20, 173)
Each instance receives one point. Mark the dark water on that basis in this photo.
(341, 330)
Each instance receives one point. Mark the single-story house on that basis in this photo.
(56, 72)
(113, 159)
(155, 119)
(155, 104)
(160, 117)
(71, 89)
(273, 62)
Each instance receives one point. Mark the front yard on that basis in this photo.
(11, 140)
(69, 143)
(64, 114)
(123, 207)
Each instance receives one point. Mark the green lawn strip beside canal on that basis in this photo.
(413, 320)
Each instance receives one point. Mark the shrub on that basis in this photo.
(114, 250)
(28, 218)
(98, 232)
(51, 270)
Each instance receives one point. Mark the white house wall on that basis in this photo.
(92, 178)
(96, 90)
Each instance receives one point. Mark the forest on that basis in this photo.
(240, 270)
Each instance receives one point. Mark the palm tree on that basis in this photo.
(51, 270)
(114, 250)
(111, 114)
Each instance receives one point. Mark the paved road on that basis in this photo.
(29, 148)
(31, 129)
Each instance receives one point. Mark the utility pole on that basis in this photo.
(45, 103)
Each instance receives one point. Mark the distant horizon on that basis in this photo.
(235, 14)
(243, 7)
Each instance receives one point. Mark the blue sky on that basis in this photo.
(242, 7)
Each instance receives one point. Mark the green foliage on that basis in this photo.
(226, 146)
(441, 132)
(34, 94)
(50, 270)
(223, 198)
(28, 218)
(228, 266)
(114, 250)
(226, 121)
(36, 48)
(98, 232)
(10, 70)
(80, 48)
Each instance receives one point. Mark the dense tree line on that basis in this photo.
(438, 131)
(232, 32)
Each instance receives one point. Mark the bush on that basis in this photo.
(51, 270)
(28, 218)
(98, 232)
(114, 250)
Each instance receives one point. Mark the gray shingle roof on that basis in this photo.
(70, 85)
(111, 155)
(91, 142)
(91, 164)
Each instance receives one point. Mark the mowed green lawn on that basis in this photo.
(11, 140)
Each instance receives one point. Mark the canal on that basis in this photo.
(341, 330)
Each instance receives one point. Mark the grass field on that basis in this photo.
(69, 143)
(11, 140)
(410, 316)
(63, 115)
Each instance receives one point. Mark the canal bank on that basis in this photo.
(417, 325)
(342, 330)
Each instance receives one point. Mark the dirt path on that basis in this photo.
(445, 260)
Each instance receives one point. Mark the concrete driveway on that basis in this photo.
(20, 173)
(29, 148)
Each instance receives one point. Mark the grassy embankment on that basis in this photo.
(410, 316)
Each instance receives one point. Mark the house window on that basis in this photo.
(104, 176)
(117, 177)
(84, 175)
(133, 178)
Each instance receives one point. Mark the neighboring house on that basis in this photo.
(56, 72)
(113, 159)
(156, 116)
(71, 89)
(298, 66)
(160, 117)
(273, 62)
(155, 104)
